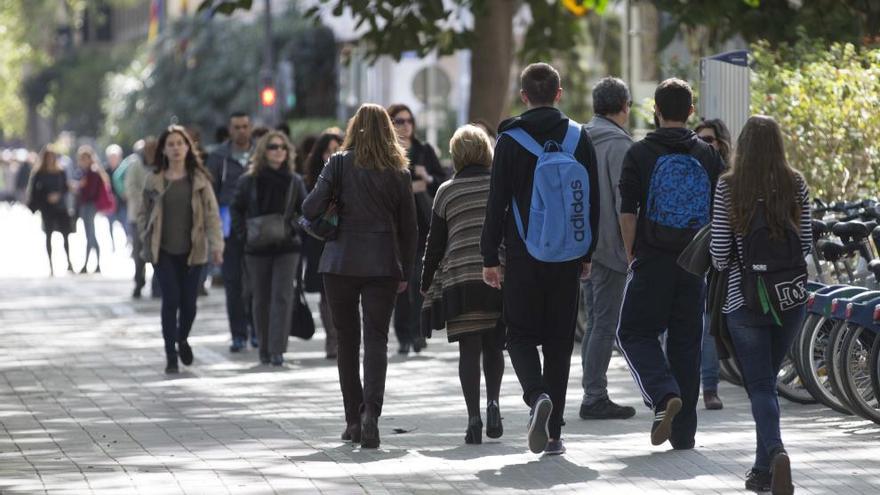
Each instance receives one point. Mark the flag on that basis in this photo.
(157, 18)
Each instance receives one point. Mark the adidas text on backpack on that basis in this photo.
(679, 198)
(559, 215)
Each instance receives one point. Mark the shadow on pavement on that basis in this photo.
(545, 472)
(468, 452)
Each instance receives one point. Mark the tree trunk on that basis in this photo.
(491, 58)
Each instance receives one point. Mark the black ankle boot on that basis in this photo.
(171, 366)
(369, 432)
(474, 433)
(352, 433)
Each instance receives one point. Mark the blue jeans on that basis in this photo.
(709, 364)
(87, 212)
(179, 282)
(760, 347)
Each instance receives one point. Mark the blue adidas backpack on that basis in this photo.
(679, 197)
(559, 217)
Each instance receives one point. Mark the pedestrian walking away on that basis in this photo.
(714, 132)
(762, 218)
(113, 154)
(370, 259)
(603, 291)
(180, 224)
(92, 191)
(48, 191)
(427, 175)
(226, 164)
(137, 167)
(666, 190)
(452, 280)
(325, 146)
(270, 194)
(540, 279)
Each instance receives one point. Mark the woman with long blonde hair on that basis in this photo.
(370, 259)
(270, 187)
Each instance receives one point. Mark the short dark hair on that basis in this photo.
(610, 96)
(238, 114)
(674, 98)
(540, 83)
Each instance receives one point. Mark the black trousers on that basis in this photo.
(662, 297)
(408, 309)
(540, 309)
(345, 295)
(233, 267)
(139, 265)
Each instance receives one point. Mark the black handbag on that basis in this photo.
(265, 231)
(326, 226)
(302, 325)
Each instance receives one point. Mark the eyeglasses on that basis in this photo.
(708, 139)
(276, 147)
(400, 121)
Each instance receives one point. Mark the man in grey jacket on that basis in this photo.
(603, 291)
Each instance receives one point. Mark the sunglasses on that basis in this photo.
(708, 139)
(400, 121)
(276, 147)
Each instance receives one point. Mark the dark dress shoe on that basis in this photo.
(419, 344)
(474, 433)
(494, 427)
(369, 432)
(186, 352)
(403, 350)
(712, 401)
(606, 409)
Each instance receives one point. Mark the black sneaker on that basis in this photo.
(186, 352)
(237, 345)
(538, 419)
(555, 447)
(494, 427)
(663, 417)
(758, 481)
(780, 474)
(605, 409)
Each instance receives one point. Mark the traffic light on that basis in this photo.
(268, 95)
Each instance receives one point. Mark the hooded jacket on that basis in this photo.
(513, 170)
(225, 172)
(638, 165)
(611, 142)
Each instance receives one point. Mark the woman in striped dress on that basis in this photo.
(452, 279)
(760, 174)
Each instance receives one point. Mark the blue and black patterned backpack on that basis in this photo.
(679, 198)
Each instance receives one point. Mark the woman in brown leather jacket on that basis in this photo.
(369, 261)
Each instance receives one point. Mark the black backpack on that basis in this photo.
(774, 272)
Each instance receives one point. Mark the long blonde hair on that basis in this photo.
(371, 137)
(259, 162)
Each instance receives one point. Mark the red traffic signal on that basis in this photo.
(268, 96)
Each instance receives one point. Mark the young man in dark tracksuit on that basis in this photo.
(540, 299)
(660, 296)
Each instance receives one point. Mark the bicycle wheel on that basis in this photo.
(797, 345)
(815, 377)
(790, 385)
(874, 367)
(834, 362)
(728, 370)
(855, 369)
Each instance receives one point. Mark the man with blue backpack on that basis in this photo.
(544, 206)
(666, 189)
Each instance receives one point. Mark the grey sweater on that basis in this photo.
(611, 142)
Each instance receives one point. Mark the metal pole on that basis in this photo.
(270, 113)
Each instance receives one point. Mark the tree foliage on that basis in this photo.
(199, 70)
(826, 99)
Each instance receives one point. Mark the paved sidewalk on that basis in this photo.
(86, 408)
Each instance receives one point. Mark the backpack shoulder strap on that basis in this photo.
(526, 141)
(572, 137)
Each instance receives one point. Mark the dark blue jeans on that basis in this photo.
(180, 288)
(760, 347)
